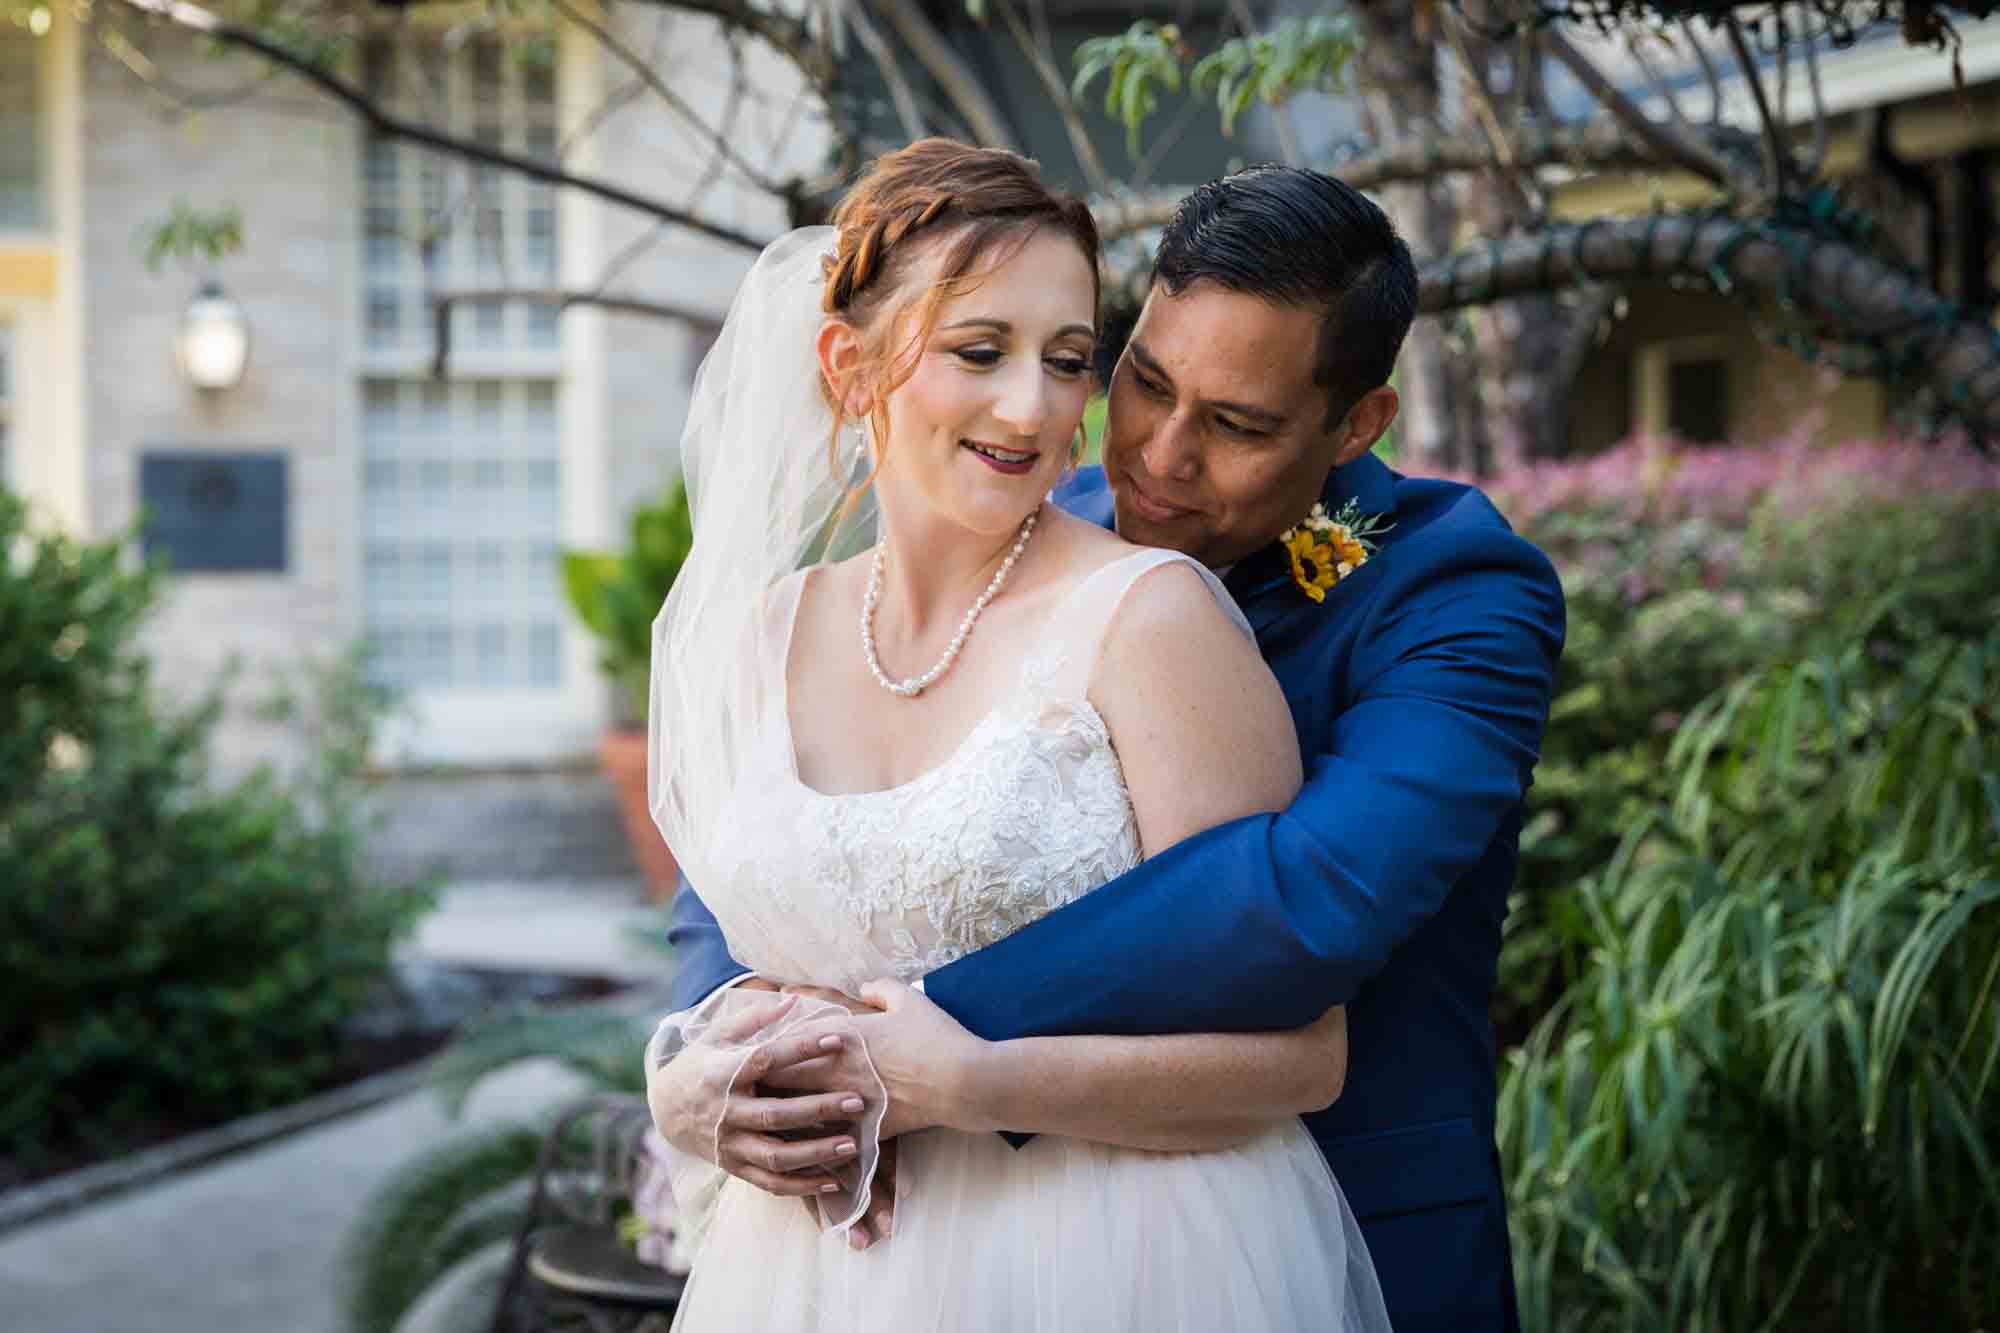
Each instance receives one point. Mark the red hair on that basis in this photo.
(973, 201)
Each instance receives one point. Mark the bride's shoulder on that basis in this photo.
(1091, 556)
(822, 580)
(1136, 585)
(1152, 593)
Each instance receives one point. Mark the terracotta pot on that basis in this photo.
(622, 751)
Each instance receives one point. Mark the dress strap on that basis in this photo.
(1079, 623)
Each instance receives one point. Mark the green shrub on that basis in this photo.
(1763, 908)
(172, 950)
(1683, 573)
(618, 594)
(1769, 1100)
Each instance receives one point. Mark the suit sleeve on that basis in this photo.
(1269, 921)
(702, 960)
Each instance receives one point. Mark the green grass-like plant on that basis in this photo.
(1767, 1101)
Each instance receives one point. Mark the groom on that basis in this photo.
(1254, 384)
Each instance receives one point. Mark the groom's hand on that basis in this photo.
(707, 1104)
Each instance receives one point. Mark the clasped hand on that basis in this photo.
(784, 1118)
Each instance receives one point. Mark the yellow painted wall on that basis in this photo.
(1770, 389)
(27, 272)
(41, 298)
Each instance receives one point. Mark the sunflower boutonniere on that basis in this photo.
(1326, 548)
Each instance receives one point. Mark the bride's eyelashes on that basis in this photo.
(1066, 364)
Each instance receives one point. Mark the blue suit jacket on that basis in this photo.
(1420, 688)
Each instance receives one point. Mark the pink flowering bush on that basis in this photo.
(1686, 568)
(1754, 1067)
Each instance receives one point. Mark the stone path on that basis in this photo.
(251, 1243)
(586, 928)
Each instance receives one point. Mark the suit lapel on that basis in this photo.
(1262, 582)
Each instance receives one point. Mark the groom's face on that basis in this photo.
(1217, 439)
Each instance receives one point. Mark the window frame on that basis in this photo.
(487, 439)
(41, 222)
(1652, 378)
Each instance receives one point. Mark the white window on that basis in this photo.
(23, 192)
(434, 223)
(461, 477)
(461, 501)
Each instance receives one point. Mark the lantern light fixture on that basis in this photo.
(214, 342)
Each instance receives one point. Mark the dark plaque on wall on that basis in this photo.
(215, 513)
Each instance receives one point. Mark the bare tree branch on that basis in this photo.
(1774, 148)
(645, 73)
(726, 130)
(193, 18)
(1586, 324)
(617, 100)
(1163, 143)
(790, 35)
(1043, 62)
(1708, 74)
(1636, 45)
(180, 97)
(968, 95)
(443, 302)
(1670, 142)
(900, 93)
(1601, 146)
(1816, 161)
(1784, 54)
(1482, 104)
(1854, 296)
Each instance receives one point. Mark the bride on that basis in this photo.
(872, 764)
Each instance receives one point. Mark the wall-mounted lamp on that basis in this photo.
(214, 341)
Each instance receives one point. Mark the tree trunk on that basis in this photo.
(1519, 343)
(1399, 78)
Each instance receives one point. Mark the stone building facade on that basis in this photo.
(420, 515)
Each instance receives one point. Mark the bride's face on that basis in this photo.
(983, 426)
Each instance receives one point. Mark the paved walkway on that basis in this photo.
(588, 928)
(251, 1243)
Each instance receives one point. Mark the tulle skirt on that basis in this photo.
(1058, 1235)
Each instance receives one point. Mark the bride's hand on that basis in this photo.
(924, 1058)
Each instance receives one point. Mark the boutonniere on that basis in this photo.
(1326, 548)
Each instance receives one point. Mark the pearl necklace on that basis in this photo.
(916, 685)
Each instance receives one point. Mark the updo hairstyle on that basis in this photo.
(974, 202)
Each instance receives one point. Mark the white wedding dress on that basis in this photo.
(1028, 813)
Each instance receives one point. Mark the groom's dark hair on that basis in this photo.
(1302, 238)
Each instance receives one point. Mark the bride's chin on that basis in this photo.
(993, 512)
(984, 508)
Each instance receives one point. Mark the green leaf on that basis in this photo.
(1138, 63)
(1296, 55)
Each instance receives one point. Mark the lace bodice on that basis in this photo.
(1029, 813)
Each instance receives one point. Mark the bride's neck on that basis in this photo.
(934, 570)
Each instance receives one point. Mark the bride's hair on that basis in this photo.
(972, 201)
